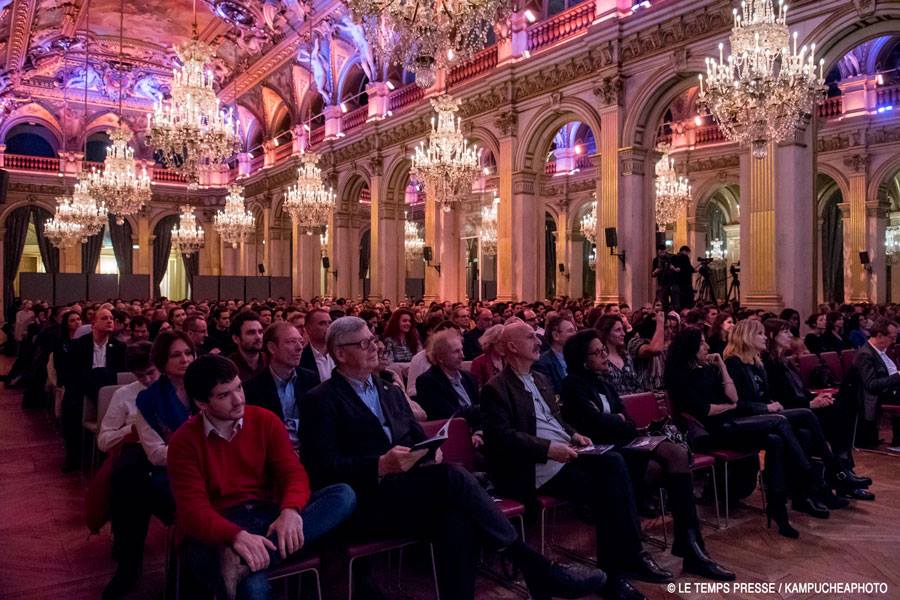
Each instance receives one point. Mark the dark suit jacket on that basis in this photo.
(752, 387)
(875, 383)
(342, 439)
(549, 366)
(260, 390)
(472, 343)
(80, 376)
(512, 445)
(308, 362)
(437, 397)
(582, 408)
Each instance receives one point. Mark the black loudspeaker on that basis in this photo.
(326, 263)
(864, 257)
(426, 253)
(262, 268)
(612, 239)
(562, 268)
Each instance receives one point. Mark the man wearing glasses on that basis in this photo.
(359, 430)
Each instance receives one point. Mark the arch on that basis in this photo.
(31, 140)
(351, 83)
(484, 138)
(396, 181)
(538, 135)
(843, 30)
(165, 213)
(708, 190)
(102, 123)
(274, 106)
(880, 174)
(32, 201)
(577, 209)
(349, 193)
(835, 174)
(37, 114)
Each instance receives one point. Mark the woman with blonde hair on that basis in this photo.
(489, 362)
(757, 409)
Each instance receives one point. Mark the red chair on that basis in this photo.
(847, 357)
(365, 549)
(705, 461)
(725, 457)
(833, 361)
(642, 408)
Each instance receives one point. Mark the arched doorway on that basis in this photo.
(365, 248)
(30, 140)
(171, 270)
(831, 238)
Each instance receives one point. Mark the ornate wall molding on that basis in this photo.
(19, 32)
(714, 163)
(632, 161)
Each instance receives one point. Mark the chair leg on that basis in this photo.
(544, 531)
(437, 590)
(662, 516)
(350, 581)
(727, 499)
(318, 584)
(716, 497)
(522, 527)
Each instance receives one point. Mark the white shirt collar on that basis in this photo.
(209, 427)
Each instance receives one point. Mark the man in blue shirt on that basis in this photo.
(552, 364)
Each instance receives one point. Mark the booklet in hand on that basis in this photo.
(646, 443)
(596, 449)
(433, 443)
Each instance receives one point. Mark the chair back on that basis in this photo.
(458, 449)
(847, 357)
(104, 397)
(642, 408)
(807, 365)
(125, 377)
(833, 361)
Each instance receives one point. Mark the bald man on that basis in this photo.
(92, 362)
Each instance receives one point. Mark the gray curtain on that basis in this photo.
(13, 247)
(365, 246)
(49, 253)
(120, 236)
(588, 276)
(833, 251)
(162, 247)
(90, 252)
(191, 268)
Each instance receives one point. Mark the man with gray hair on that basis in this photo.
(359, 430)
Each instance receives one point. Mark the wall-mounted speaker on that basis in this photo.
(612, 239)
(864, 257)
(261, 268)
(562, 268)
(326, 263)
(426, 253)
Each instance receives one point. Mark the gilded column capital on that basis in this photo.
(878, 209)
(844, 207)
(376, 164)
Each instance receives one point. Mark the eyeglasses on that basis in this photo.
(604, 351)
(363, 344)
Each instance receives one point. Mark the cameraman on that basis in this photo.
(684, 277)
(665, 273)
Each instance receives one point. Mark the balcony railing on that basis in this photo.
(283, 150)
(831, 107)
(709, 134)
(354, 118)
(30, 163)
(403, 97)
(317, 135)
(888, 96)
(562, 26)
(481, 63)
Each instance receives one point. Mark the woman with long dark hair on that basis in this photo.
(621, 373)
(833, 339)
(400, 336)
(718, 333)
(593, 407)
(813, 339)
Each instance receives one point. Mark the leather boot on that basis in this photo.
(698, 562)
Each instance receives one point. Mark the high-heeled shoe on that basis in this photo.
(811, 507)
(778, 513)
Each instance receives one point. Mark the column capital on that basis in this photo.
(858, 163)
(376, 164)
(507, 122)
(610, 89)
(523, 183)
(632, 160)
(878, 209)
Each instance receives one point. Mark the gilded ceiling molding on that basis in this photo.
(19, 32)
(681, 28)
(278, 56)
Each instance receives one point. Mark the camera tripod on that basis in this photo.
(734, 288)
(705, 291)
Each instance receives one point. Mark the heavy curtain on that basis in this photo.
(833, 251)
(49, 253)
(120, 236)
(191, 268)
(162, 247)
(365, 245)
(588, 275)
(13, 247)
(90, 252)
(550, 262)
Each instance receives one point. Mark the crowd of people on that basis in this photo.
(267, 427)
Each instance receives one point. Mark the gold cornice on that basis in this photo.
(19, 32)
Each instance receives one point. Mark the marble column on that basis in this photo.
(296, 287)
(637, 229)
(506, 264)
(433, 234)
(267, 238)
(527, 232)
(387, 260)
(609, 269)
(856, 277)
(563, 281)
(876, 223)
(343, 242)
(144, 254)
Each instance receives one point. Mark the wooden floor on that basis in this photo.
(46, 552)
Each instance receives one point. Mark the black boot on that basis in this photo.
(546, 579)
(811, 507)
(697, 562)
(123, 581)
(849, 479)
(684, 511)
(776, 510)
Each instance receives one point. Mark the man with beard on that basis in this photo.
(247, 334)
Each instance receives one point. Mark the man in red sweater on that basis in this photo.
(241, 494)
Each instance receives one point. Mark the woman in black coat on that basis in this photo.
(593, 407)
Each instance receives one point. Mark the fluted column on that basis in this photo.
(144, 254)
(387, 260)
(608, 266)
(505, 273)
(342, 243)
(527, 233)
(267, 238)
(876, 222)
(856, 279)
(450, 256)
(636, 235)
(296, 288)
(433, 234)
(562, 249)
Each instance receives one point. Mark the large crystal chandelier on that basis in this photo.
(672, 190)
(448, 164)
(426, 36)
(309, 202)
(717, 252)
(191, 130)
(187, 236)
(234, 222)
(80, 209)
(892, 240)
(589, 223)
(61, 230)
(118, 185)
(592, 259)
(765, 89)
(488, 233)
(413, 245)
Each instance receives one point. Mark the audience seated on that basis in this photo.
(813, 339)
(356, 429)
(621, 374)
(315, 356)
(718, 333)
(489, 362)
(400, 337)
(219, 336)
(877, 382)
(647, 349)
(833, 339)
(471, 346)
(552, 363)
(388, 375)
(247, 335)
(242, 497)
(420, 363)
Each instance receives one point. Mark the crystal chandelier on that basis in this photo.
(589, 222)
(234, 222)
(323, 241)
(309, 202)
(892, 240)
(412, 243)
(717, 253)
(191, 130)
(448, 164)
(765, 90)
(426, 36)
(80, 209)
(592, 259)
(672, 190)
(488, 233)
(61, 231)
(187, 236)
(124, 192)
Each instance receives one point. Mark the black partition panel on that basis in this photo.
(134, 286)
(280, 287)
(231, 286)
(256, 287)
(204, 287)
(70, 287)
(102, 287)
(36, 286)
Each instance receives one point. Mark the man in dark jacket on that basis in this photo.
(879, 382)
(445, 389)
(472, 337)
(532, 451)
(552, 364)
(357, 429)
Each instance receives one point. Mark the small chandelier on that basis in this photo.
(80, 208)
(187, 236)
(123, 191)
(892, 240)
(488, 233)
(309, 202)
(191, 130)
(234, 222)
(589, 222)
(717, 252)
(412, 243)
(323, 241)
(448, 164)
(592, 259)
(764, 90)
(672, 190)
(61, 231)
